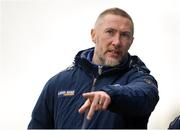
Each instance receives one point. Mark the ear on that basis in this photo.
(93, 35)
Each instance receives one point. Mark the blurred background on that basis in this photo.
(39, 38)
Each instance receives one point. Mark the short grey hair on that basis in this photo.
(116, 11)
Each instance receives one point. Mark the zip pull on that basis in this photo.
(93, 85)
(100, 69)
(94, 81)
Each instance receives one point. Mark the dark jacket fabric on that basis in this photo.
(175, 124)
(132, 89)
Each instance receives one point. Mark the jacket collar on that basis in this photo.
(83, 60)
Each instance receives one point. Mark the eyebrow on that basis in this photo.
(111, 28)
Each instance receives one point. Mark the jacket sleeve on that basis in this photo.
(137, 98)
(42, 115)
(175, 124)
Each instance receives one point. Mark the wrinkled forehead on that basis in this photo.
(114, 21)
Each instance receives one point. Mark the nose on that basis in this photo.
(116, 40)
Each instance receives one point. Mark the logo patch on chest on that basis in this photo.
(66, 93)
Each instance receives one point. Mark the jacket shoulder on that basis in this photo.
(138, 64)
(63, 74)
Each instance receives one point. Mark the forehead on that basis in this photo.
(115, 21)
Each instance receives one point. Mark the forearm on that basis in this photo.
(136, 98)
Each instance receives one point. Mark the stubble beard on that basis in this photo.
(107, 61)
(111, 62)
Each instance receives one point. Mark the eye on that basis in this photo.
(125, 35)
(110, 31)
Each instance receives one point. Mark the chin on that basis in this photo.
(112, 62)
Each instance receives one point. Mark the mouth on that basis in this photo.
(114, 53)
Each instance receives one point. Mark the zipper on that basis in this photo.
(95, 78)
(93, 85)
(85, 121)
(100, 69)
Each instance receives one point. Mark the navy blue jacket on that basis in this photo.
(132, 89)
(175, 124)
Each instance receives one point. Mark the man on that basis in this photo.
(106, 88)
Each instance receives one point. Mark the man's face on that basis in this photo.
(113, 37)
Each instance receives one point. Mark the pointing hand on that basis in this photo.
(98, 100)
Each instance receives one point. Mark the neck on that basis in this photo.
(96, 60)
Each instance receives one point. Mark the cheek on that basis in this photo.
(126, 46)
(99, 48)
(129, 45)
(101, 44)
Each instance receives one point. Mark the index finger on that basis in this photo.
(85, 106)
(88, 95)
(92, 108)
